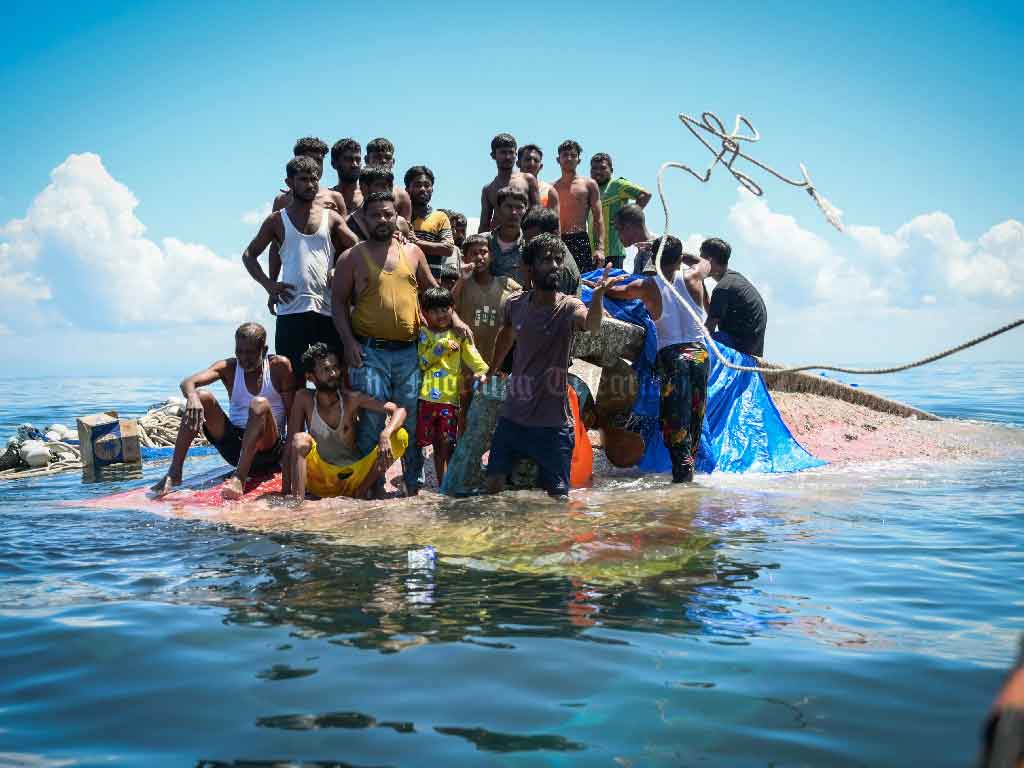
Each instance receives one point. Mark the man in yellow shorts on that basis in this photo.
(323, 456)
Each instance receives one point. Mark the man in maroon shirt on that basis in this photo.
(535, 422)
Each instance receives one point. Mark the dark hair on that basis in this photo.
(448, 272)
(371, 174)
(454, 217)
(673, 249)
(341, 147)
(599, 156)
(436, 298)
(529, 148)
(717, 249)
(315, 353)
(630, 214)
(302, 164)
(379, 145)
(310, 145)
(378, 197)
(418, 170)
(570, 144)
(516, 194)
(544, 245)
(503, 141)
(472, 240)
(252, 332)
(540, 218)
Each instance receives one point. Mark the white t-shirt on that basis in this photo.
(630, 252)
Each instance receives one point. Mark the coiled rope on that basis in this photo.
(731, 150)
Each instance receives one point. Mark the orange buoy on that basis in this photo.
(581, 471)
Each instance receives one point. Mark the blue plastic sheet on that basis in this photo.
(743, 430)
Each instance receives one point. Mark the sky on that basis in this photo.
(144, 142)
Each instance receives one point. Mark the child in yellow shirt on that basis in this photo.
(442, 355)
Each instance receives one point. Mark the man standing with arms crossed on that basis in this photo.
(579, 196)
(615, 193)
(308, 237)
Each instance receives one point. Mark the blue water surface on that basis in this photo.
(844, 616)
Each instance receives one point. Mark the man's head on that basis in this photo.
(630, 224)
(437, 306)
(503, 150)
(601, 167)
(511, 207)
(322, 367)
(375, 178)
(311, 146)
(380, 151)
(346, 159)
(448, 277)
(459, 226)
(717, 251)
(672, 255)
(543, 257)
(419, 183)
(476, 251)
(379, 212)
(250, 346)
(530, 159)
(569, 153)
(302, 175)
(538, 221)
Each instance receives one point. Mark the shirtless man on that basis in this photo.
(250, 436)
(578, 196)
(322, 430)
(531, 160)
(308, 238)
(381, 152)
(503, 150)
(346, 159)
(313, 148)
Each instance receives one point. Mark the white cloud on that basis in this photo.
(256, 217)
(80, 254)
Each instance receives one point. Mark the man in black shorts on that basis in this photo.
(737, 316)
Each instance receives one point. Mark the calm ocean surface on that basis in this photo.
(841, 617)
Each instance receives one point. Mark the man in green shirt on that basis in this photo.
(615, 193)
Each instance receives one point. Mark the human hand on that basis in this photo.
(353, 354)
(194, 415)
(607, 282)
(385, 458)
(462, 330)
(280, 291)
(272, 305)
(453, 346)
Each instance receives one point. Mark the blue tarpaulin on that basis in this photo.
(743, 430)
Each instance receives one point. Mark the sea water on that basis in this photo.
(859, 615)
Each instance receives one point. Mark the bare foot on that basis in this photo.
(233, 488)
(165, 486)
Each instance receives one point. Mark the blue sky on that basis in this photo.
(907, 116)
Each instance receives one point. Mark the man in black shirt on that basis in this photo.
(737, 316)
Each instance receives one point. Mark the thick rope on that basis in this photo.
(730, 146)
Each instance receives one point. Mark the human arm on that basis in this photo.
(298, 414)
(342, 237)
(486, 212)
(439, 250)
(472, 359)
(274, 260)
(597, 214)
(395, 418)
(502, 344)
(268, 233)
(589, 318)
(532, 190)
(284, 381)
(718, 308)
(341, 300)
(403, 204)
(190, 385)
(553, 201)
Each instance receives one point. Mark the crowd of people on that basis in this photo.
(393, 313)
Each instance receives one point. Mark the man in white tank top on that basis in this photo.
(309, 236)
(682, 361)
(322, 448)
(250, 437)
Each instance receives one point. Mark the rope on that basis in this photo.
(731, 147)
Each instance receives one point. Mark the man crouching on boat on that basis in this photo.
(324, 458)
(250, 436)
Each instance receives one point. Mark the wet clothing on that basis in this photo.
(230, 449)
(441, 367)
(578, 244)
(536, 393)
(388, 307)
(437, 423)
(741, 312)
(614, 195)
(293, 335)
(241, 398)
(551, 447)
(305, 263)
(481, 306)
(326, 479)
(683, 369)
(434, 227)
(333, 444)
